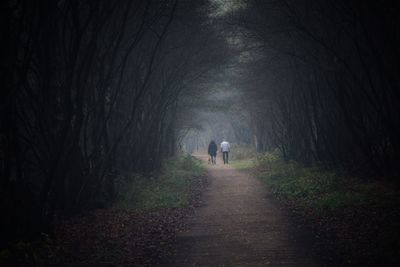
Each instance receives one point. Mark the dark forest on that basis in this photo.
(101, 96)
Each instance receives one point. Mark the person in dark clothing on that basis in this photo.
(212, 151)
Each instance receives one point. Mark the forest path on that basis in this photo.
(239, 225)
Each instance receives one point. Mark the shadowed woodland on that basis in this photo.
(95, 90)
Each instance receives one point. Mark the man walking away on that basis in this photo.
(212, 151)
(225, 148)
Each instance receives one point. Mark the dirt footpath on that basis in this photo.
(239, 225)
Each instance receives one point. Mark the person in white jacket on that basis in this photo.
(225, 149)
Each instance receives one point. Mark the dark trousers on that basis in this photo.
(213, 158)
(225, 156)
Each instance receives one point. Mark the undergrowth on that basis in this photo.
(168, 189)
(313, 189)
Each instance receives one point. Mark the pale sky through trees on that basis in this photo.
(223, 7)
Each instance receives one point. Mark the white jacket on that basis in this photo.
(225, 147)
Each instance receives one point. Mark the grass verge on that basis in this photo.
(315, 190)
(168, 189)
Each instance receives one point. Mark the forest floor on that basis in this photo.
(131, 233)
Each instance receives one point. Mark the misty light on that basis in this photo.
(223, 7)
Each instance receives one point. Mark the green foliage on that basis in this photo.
(314, 189)
(268, 158)
(170, 188)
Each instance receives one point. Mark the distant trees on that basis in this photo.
(326, 88)
(90, 89)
